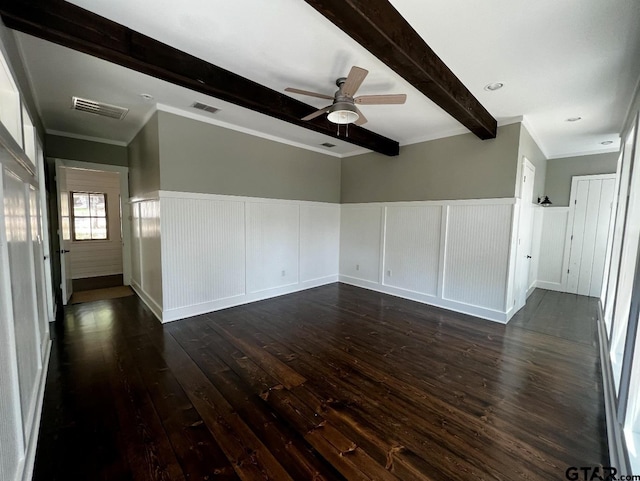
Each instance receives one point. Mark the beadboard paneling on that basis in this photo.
(552, 244)
(412, 248)
(136, 273)
(203, 251)
(319, 241)
(360, 243)
(477, 254)
(272, 245)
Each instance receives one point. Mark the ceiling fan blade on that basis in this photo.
(381, 99)
(317, 113)
(354, 80)
(310, 94)
(362, 119)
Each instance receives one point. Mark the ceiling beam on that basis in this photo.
(379, 27)
(74, 27)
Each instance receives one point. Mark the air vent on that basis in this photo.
(99, 108)
(205, 107)
(327, 144)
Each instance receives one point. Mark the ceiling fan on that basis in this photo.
(343, 109)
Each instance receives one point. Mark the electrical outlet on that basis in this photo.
(357, 267)
(284, 273)
(389, 272)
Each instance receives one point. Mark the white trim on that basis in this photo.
(30, 455)
(147, 299)
(170, 315)
(455, 306)
(245, 130)
(550, 286)
(534, 135)
(615, 435)
(604, 150)
(498, 201)
(170, 194)
(70, 135)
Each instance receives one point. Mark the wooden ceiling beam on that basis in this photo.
(379, 27)
(74, 27)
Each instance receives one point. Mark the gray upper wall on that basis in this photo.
(143, 153)
(529, 149)
(204, 158)
(560, 171)
(85, 150)
(460, 167)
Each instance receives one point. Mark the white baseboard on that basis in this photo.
(169, 315)
(477, 311)
(147, 299)
(550, 286)
(617, 451)
(25, 473)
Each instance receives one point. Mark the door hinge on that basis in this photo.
(575, 202)
(571, 236)
(567, 271)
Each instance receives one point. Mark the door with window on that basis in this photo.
(64, 232)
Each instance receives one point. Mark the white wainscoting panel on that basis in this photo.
(360, 242)
(136, 270)
(319, 241)
(552, 248)
(272, 245)
(538, 215)
(477, 255)
(147, 241)
(220, 251)
(412, 248)
(203, 251)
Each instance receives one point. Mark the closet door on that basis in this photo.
(591, 202)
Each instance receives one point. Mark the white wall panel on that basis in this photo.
(150, 250)
(319, 241)
(11, 436)
(552, 247)
(602, 237)
(203, 251)
(23, 293)
(477, 255)
(412, 248)
(360, 242)
(272, 245)
(136, 273)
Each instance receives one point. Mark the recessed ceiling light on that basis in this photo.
(494, 86)
(574, 119)
(607, 142)
(146, 96)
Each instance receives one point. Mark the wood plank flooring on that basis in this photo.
(333, 383)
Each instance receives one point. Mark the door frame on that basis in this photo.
(572, 212)
(124, 204)
(521, 292)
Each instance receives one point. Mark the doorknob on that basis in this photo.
(528, 257)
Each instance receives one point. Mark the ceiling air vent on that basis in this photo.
(205, 107)
(99, 108)
(327, 144)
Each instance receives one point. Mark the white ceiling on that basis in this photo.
(556, 59)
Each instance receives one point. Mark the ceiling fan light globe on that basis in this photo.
(343, 113)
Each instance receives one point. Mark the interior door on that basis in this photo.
(64, 231)
(591, 200)
(525, 234)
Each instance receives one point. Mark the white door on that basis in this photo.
(591, 203)
(525, 234)
(64, 232)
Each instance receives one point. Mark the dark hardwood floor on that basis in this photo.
(332, 383)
